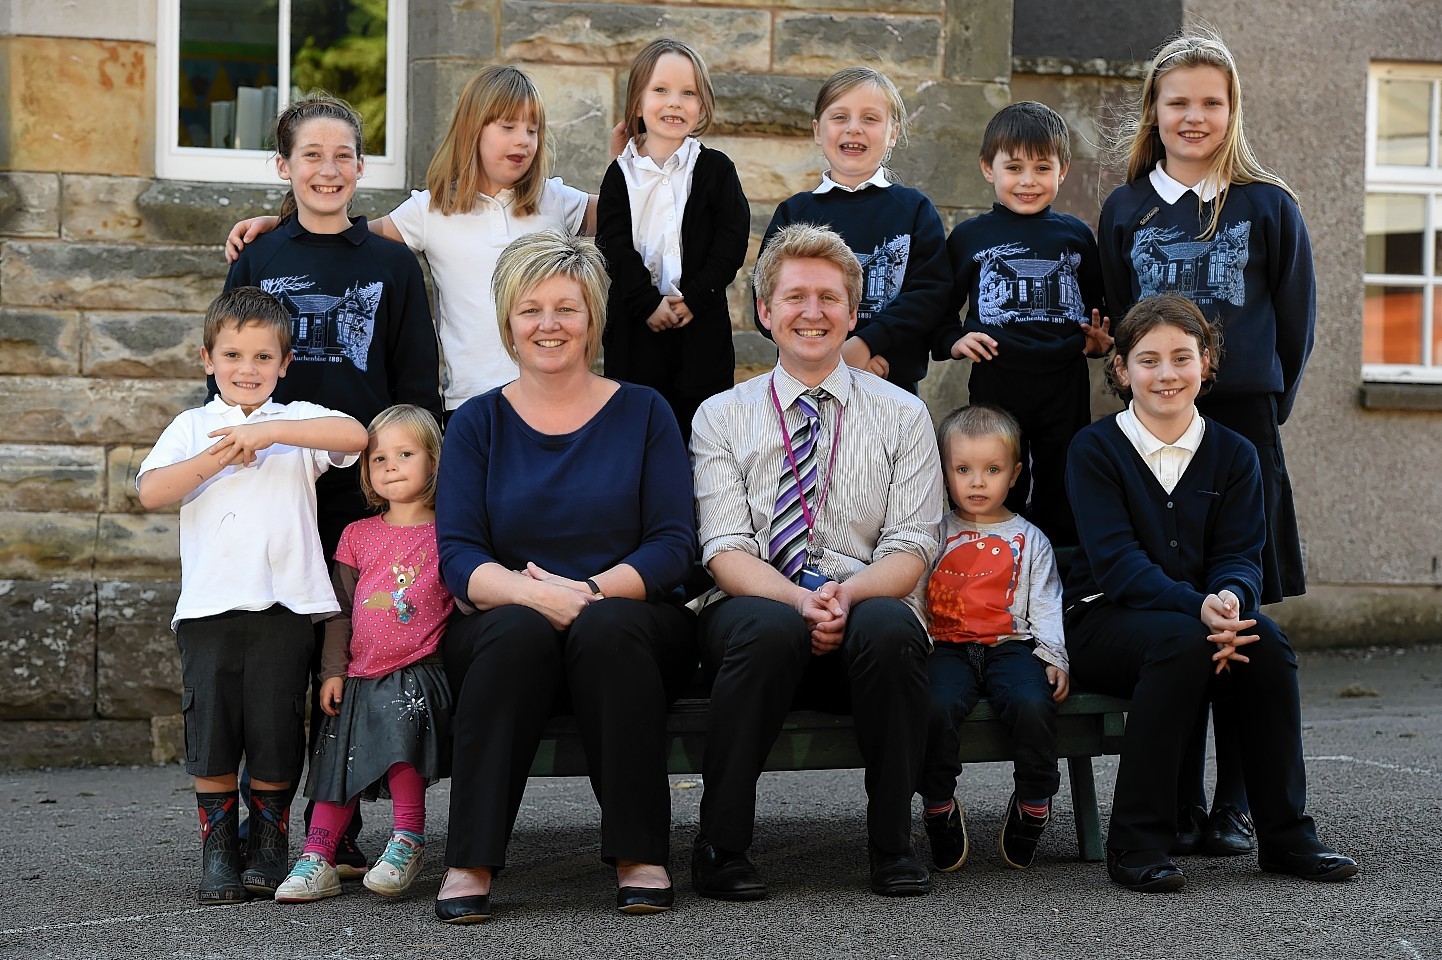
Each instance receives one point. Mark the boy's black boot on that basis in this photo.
(269, 841)
(219, 849)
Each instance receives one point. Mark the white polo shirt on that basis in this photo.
(248, 536)
(462, 250)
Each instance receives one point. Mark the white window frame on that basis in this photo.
(1423, 181)
(212, 165)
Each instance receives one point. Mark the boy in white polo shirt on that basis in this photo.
(252, 579)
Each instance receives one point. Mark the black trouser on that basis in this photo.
(1162, 662)
(759, 653)
(617, 667)
(1051, 409)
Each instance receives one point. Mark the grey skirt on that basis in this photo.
(403, 717)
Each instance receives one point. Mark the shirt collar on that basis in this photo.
(1171, 190)
(679, 160)
(788, 388)
(877, 179)
(232, 413)
(356, 233)
(1147, 443)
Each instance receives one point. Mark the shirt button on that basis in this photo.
(1174, 543)
(666, 180)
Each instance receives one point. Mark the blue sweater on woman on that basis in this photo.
(1144, 548)
(617, 490)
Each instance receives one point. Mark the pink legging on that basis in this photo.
(329, 820)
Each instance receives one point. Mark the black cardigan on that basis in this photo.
(697, 359)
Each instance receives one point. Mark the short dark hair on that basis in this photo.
(1164, 310)
(243, 305)
(1028, 129)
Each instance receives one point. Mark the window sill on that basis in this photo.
(1401, 396)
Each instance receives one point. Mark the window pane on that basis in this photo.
(1404, 122)
(1392, 325)
(1394, 226)
(228, 69)
(339, 46)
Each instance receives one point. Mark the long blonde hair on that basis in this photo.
(454, 176)
(1139, 144)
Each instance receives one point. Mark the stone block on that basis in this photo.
(613, 33)
(98, 19)
(892, 6)
(819, 44)
(33, 205)
(138, 545)
(47, 649)
(39, 342)
(51, 477)
(137, 664)
(580, 106)
(167, 738)
(85, 410)
(202, 214)
(104, 276)
(122, 463)
(51, 544)
(72, 743)
(103, 208)
(142, 345)
(978, 41)
(88, 105)
(1079, 100)
(757, 103)
(947, 121)
(771, 169)
(452, 28)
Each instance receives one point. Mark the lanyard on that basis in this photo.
(791, 459)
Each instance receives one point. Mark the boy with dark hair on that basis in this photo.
(1031, 282)
(252, 579)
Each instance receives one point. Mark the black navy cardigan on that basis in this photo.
(1144, 548)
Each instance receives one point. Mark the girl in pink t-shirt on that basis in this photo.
(384, 692)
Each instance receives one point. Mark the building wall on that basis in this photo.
(104, 272)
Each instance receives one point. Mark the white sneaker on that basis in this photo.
(398, 866)
(310, 879)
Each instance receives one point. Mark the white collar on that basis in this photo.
(232, 412)
(877, 179)
(682, 158)
(837, 383)
(1172, 190)
(1147, 443)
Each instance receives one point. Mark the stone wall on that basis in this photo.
(104, 271)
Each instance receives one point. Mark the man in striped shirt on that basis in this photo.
(819, 496)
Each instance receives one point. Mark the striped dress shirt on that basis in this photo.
(885, 491)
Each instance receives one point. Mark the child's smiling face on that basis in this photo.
(855, 131)
(671, 105)
(246, 361)
(1024, 184)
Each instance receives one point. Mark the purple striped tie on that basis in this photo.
(788, 521)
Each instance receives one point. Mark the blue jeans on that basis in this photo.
(1015, 683)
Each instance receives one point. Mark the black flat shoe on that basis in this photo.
(1153, 876)
(1229, 832)
(475, 908)
(642, 900)
(898, 875)
(1191, 822)
(724, 874)
(1321, 864)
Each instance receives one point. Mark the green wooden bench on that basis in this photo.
(1088, 725)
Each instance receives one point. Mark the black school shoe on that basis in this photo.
(350, 862)
(1229, 832)
(947, 833)
(1312, 862)
(1020, 834)
(724, 874)
(1144, 871)
(898, 874)
(1191, 823)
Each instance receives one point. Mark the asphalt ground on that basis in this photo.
(102, 862)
